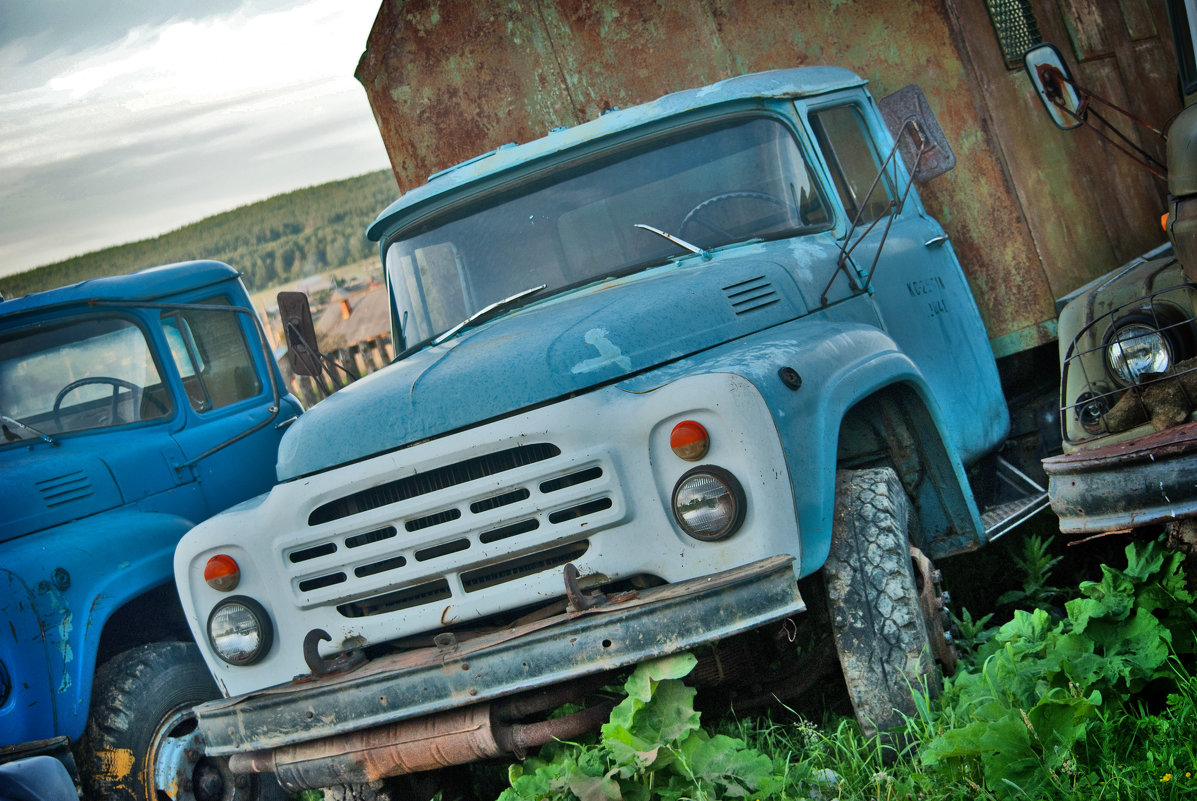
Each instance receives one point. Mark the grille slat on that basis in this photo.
(428, 593)
(436, 479)
(543, 513)
(514, 569)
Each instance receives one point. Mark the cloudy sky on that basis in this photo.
(124, 119)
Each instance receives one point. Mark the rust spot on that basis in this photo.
(1031, 212)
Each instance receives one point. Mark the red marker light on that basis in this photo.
(222, 573)
(689, 440)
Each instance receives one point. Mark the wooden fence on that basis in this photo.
(360, 359)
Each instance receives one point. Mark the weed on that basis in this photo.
(1095, 705)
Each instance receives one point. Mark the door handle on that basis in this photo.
(936, 241)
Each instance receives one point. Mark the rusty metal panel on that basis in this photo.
(1033, 212)
(531, 655)
(450, 79)
(1139, 23)
(1092, 26)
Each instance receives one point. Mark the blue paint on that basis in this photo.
(89, 523)
(631, 334)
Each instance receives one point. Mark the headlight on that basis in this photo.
(1090, 409)
(709, 503)
(1135, 349)
(239, 631)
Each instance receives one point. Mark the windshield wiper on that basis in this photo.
(675, 240)
(10, 421)
(488, 312)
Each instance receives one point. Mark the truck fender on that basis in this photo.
(853, 365)
(74, 584)
(812, 373)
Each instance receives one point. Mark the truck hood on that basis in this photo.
(548, 350)
(44, 487)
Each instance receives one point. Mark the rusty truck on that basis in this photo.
(696, 373)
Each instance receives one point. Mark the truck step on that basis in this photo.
(1022, 499)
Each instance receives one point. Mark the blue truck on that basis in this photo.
(131, 408)
(698, 374)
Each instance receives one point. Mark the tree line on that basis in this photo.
(271, 242)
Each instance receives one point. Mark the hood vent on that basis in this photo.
(64, 489)
(748, 296)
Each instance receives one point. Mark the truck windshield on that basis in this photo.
(710, 185)
(91, 372)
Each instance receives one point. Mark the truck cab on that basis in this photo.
(131, 408)
(691, 373)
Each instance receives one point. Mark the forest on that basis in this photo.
(271, 242)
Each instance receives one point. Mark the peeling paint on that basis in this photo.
(609, 353)
(116, 764)
(64, 649)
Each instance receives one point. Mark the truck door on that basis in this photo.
(228, 393)
(916, 281)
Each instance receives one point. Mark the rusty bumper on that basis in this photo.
(562, 648)
(1137, 482)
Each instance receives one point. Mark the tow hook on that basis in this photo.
(577, 600)
(326, 667)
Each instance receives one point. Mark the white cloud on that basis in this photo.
(202, 96)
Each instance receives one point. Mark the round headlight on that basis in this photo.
(709, 503)
(239, 631)
(1135, 349)
(1089, 410)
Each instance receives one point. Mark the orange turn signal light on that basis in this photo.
(222, 573)
(689, 440)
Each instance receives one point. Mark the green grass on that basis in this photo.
(1095, 701)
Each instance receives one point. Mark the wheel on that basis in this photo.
(142, 742)
(877, 622)
(696, 215)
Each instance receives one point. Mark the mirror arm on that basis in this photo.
(895, 208)
(1053, 81)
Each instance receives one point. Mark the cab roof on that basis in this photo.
(150, 284)
(773, 84)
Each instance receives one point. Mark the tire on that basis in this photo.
(141, 715)
(876, 620)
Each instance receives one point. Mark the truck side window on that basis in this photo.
(213, 357)
(82, 374)
(854, 162)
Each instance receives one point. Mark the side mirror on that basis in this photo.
(300, 332)
(1054, 84)
(918, 134)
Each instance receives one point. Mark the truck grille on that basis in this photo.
(439, 525)
(433, 480)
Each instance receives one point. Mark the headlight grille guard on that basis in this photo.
(1092, 401)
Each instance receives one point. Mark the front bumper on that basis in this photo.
(1136, 482)
(621, 632)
